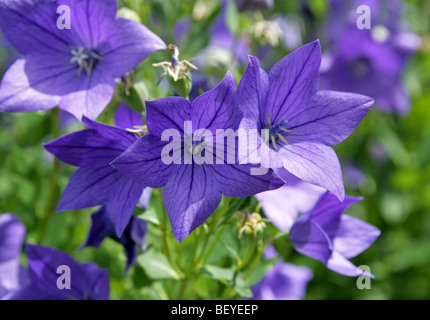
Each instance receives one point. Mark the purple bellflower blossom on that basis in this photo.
(283, 205)
(12, 274)
(132, 239)
(284, 281)
(325, 234)
(74, 68)
(301, 123)
(369, 61)
(87, 281)
(96, 182)
(192, 191)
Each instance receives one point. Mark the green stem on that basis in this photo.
(196, 246)
(50, 205)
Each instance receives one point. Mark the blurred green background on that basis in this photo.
(396, 189)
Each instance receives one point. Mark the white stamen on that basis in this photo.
(380, 34)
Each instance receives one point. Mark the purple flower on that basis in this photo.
(282, 206)
(284, 281)
(332, 238)
(96, 182)
(354, 176)
(369, 62)
(87, 281)
(145, 199)
(12, 275)
(7, 54)
(301, 122)
(191, 191)
(378, 151)
(292, 29)
(132, 239)
(74, 69)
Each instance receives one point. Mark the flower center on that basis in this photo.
(275, 134)
(360, 67)
(85, 59)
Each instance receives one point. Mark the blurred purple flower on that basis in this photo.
(292, 28)
(325, 234)
(284, 281)
(354, 177)
(132, 239)
(302, 123)
(378, 151)
(282, 206)
(191, 191)
(12, 274)
(201, 84)
(74, 69)
(96, 182)
(369, 62)
(88, 281)
(224, 47)
(181, 30)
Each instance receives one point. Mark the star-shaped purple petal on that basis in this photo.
(96, 182)
(301, 122)
(282, 206)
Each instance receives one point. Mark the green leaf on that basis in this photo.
(218, 273)
(229, 277)
(231, 250)
(241, 287)
(157, 266)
